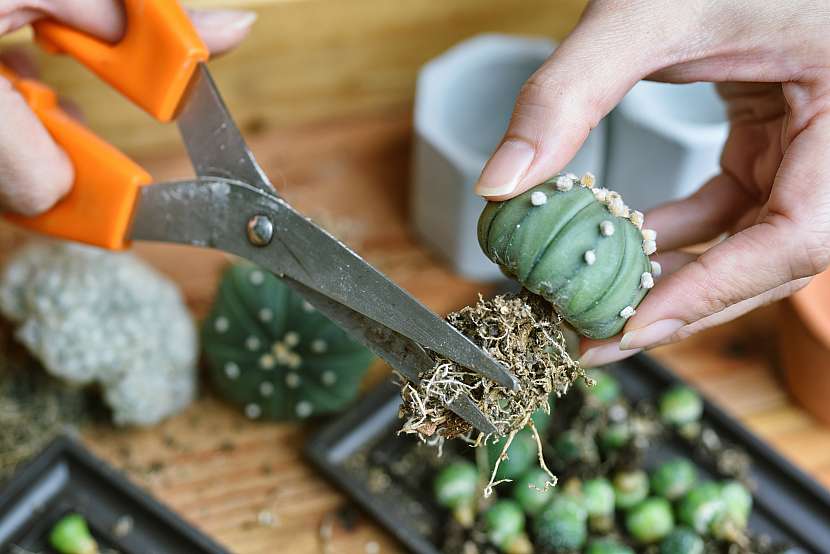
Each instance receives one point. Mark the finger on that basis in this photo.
(701, 217)
(789, 243)
(579, 84)
(596, 353)
(20, 62)
(222, 30)
(672, 261)
(737, 310)
(34, 173)
(102, 18)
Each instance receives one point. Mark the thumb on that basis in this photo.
(611, 48)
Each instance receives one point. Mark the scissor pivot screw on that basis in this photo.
(260, 230)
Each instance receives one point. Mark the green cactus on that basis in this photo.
(271, 352)
(650, 520)
(607, 545)
(680, 406)
(520, 455)
(455, 487)
(71, 535)
(530, 491)
(504, 523)
(630, 488)
(702, 506)
(598, 498)
(682, 541)
(577, 246)
(562, 525)
(674, 478)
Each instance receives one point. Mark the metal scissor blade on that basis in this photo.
(215, 212)
(214, 143)
(399, 352)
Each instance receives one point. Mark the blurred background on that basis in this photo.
(374, 118)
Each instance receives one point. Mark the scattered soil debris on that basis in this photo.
(34, 407)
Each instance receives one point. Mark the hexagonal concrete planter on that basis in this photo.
(463, 103)
(664, 142)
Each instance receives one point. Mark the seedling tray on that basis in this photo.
(66, 478)
(789, 506)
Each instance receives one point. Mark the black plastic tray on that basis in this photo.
(789, 505)
(66, 478)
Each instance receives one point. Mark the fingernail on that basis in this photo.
(228, 19)
(650, 334)
(240, 19)
(505, 168)
(605, 354)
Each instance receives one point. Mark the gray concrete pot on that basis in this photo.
(463, 103)
(664, 142)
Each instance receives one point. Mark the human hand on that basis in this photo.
(772, 61)
(34, 171)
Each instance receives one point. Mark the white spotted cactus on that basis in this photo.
(270, 352)
(578, 246)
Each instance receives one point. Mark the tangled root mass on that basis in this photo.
(520, 331)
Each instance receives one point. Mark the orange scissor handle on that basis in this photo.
(98, 210)
(153, 62)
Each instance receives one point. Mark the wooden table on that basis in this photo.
(246, 484)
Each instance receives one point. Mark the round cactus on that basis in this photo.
(271, 352)
(650, 520)
(579, 247)
(530, 491)
(674, 478)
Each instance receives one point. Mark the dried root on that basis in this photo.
(520, 331)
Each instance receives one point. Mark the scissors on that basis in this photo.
(160, 65)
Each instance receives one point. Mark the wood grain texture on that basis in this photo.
(309, 60)
(224, 473)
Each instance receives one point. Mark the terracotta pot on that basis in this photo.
(804, 346)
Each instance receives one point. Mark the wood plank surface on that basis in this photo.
(245, 483)
(307, 60)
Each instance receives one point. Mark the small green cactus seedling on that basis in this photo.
(681, 406)
(604, 391)
(598, 497)
(531, 492)
(682, 541)
(731, 524)
(562, 525)
(70, 535)
(738, 501)
(630, 488)
(573, 446)
(456, 487)
(674, 478)
(270, 352)
(650, 520)
(520, 455)
(504, 523)
(701, 507)
(542, 419)
(614, 436)
(607, 545)
(578, 246)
